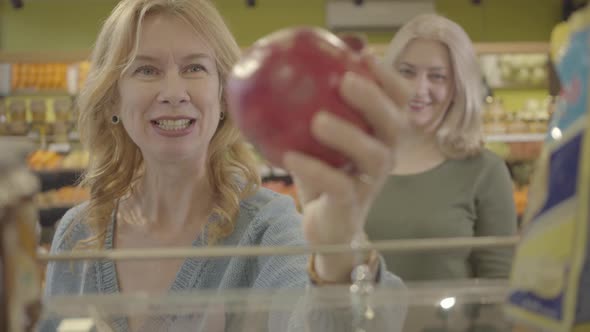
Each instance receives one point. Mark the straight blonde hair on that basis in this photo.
(115, 161)
(460, 133)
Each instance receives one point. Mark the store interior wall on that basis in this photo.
(73, 24)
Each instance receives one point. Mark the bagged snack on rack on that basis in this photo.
(550, 281)
(20, 276)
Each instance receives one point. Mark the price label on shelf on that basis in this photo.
(59, 147)
(74, 136)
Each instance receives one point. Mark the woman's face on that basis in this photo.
(170, 95)
(426, 65)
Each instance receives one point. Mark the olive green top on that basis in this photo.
(459, 198)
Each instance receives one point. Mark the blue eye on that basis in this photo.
(406, 72)
(195, 68)
(146, 71)
(438, 77)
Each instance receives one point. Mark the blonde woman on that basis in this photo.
(444, 183)
(169, 168)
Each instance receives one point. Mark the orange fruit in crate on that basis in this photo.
(44, 160)
(291, 190)
(15, 76)
(521, 199)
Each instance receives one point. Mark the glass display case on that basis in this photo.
(474, 305)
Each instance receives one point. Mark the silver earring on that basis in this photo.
(221, 116)
(115, 119)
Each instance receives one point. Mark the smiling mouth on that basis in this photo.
(173, 125)
(418, 105)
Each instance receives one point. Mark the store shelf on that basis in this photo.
(40, 93)
(520, 160)
(514, 86)
(265, 170)
(512, 47)
(55, 179)
(491, 48)
(515, 138)
(44, 56)
(82, 55)
(48, 216)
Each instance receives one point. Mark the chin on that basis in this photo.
(169, 153)
(421, 122)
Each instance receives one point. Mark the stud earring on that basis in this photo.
(115, 119)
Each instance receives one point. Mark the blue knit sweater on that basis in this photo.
(264, 219)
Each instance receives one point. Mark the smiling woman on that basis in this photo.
(150, 83)
(173, 170)
(444, 184)
(427, 66)
(170, 105)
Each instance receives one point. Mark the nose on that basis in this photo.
(174, 91)
(421, 85)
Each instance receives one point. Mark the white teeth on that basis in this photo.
(173, 124)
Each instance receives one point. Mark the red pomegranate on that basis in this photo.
(286, 77)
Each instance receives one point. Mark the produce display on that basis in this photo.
(83, 68)
(65, 196)
(43, 160)
(515, 70)
(39, 76)
(532, 118)
(285, 188)
(257, 88)
(521, 195)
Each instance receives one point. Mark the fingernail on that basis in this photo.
(322, 117)
(320, 120)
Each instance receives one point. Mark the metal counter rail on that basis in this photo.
(413, 245)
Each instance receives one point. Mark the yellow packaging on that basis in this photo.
(20, 277)
(550, 280)
(559, 38)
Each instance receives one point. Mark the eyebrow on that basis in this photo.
(141, 57)
(429, 68)
(192, 56)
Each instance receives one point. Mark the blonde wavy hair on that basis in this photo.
(115, 161)
(460, 133)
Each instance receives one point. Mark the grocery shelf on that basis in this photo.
(266, 171)
(44, 56)
(515, 86)
(54, 179)
(378, 48)
(520, 160)
(40, 93)
(515, 138)
(58, 171)
(512, 47)
(271, 173)
(48, 216)
(490, 48)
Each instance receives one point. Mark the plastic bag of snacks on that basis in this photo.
(20, 276)
(550, 281)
